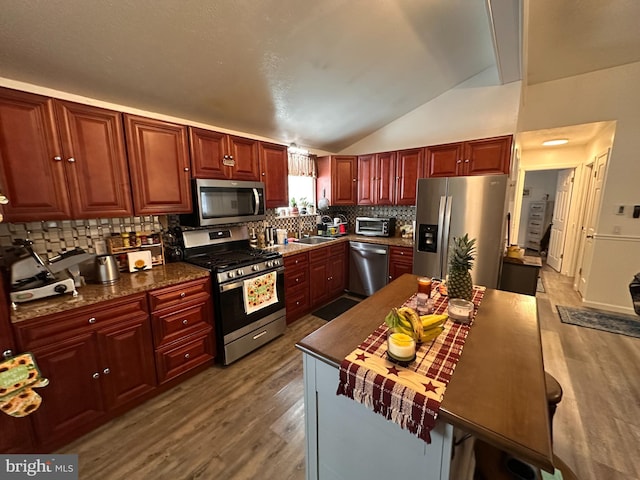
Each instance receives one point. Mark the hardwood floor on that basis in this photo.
(245, 421)
(597, 424)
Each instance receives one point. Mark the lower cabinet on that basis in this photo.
(327, 268)
(96, 358)
(106, 358)
(182, 328)
(296, 284)
(400, 261)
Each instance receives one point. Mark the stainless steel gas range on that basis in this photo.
(248, 288)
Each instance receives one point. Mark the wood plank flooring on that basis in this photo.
(245, 421)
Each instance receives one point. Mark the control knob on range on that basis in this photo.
(240, 272)
(230, 274)
(255, 268)
(60, 288)
(269, 264)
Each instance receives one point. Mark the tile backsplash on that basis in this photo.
(52, 237)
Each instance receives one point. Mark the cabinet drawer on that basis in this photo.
(534, 235)
(338, 249)
(401, 254)
(173, 325)
(295, 276)
(297, 302)
(318, 254)
(538, 216)
(536, 207)
(54, 328)
(299, 260)
(174, 361)
(179, 294)
(535, 226)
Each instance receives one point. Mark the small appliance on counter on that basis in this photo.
(376, 226)
(32, 278)
(332, 227)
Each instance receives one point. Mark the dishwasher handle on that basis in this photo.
(377, 251)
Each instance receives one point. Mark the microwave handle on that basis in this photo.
(256, 197)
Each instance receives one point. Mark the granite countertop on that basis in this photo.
(128, 284)
(294, 248)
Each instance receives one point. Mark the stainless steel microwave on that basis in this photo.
(376, 227)
(224, 201)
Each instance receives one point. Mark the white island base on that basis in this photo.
(347, 441)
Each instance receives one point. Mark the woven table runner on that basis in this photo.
(409, 396)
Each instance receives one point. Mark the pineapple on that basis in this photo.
(461, 259)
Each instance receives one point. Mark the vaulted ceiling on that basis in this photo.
(323, 74)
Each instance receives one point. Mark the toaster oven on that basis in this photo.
(376, 226)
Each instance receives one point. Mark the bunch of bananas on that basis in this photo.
(422, 328)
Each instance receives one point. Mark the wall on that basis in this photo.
(542, 186)
(609, 94)
(477, 108)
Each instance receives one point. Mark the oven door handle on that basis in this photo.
(232, 286)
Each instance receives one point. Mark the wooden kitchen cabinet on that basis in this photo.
(61, 159)
(400, 261)
(337, 179)
(376, 179)
(222, 156)
(182, 320)
(296, 284)
(159, 165)
(409, 167)
(97, 359)
(328, 271)
(274, 171)
(475, 157)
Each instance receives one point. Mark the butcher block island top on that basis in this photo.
(497, 392)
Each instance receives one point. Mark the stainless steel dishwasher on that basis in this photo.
(368, 267)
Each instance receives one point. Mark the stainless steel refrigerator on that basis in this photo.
(450, 207)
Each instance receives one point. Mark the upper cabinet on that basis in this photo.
(222, 156)
(409, 167)
(376, 179)
(474, 157)
(60, 159)
(159, 166)
(337, 179)
(274, 172)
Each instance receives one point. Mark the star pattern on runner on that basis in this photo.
(361, 356)
(393, 371)
(430, 387)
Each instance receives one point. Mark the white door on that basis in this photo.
(564, 188)
(591, 218)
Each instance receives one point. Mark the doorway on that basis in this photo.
(560, 220)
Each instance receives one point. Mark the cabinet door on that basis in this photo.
(159, 164)
(319, 287)
(343, 180)
(490, 155)
(409, 166)
(73, 399)
(366, 179)
(337, 275)
(127, 363)
(444, 160)
(31, 169)
(386, 174)
(400, 261)
(95, 160)
(208, 150)
(244, 154)
(274, 169)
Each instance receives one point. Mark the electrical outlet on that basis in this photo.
(620, 210)
(101, 247)
(617, 230)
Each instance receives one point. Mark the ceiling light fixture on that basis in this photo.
(559, 141)
(293, 148)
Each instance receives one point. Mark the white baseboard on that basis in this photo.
(611, 308)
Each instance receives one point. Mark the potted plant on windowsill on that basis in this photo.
(304, 203)
(293, 211)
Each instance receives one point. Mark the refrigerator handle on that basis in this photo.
(441, 235)
(445, 238)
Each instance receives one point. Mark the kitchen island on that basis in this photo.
(497, 394)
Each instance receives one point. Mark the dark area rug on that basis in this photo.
(335, 308)
(600, 320)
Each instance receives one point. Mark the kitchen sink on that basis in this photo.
(315, 240)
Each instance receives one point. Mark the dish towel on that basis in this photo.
(408, 396)
(18, 376)
(259, 292)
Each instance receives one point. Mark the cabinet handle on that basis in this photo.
(185, 321)
(92, 320)
(182, 294)
(3, 199)
(401, 253)
(57, 158)
(263, 174)
(95, 376)
(71, 160)
(187, 356)
(459, 161)
(186, 169)
(297, 280)
(466, 161)
(298, 303)
(106, 371)
(354, 179)
(230, 157)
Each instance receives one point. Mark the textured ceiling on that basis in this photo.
(322, 74)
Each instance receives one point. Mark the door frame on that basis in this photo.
(555, 215)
